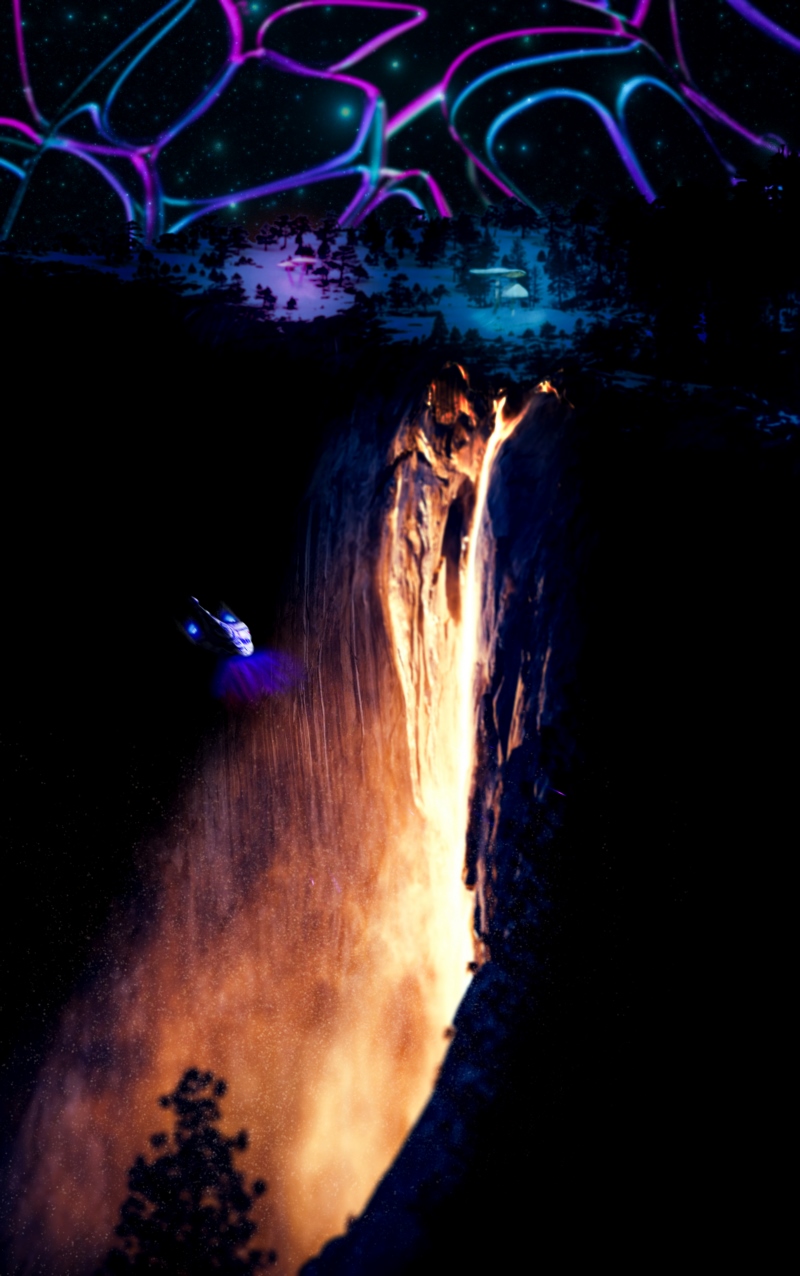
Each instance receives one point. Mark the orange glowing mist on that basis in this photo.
(306, 931)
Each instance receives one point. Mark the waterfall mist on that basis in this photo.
(304, 930)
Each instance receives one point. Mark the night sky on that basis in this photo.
(269, 124)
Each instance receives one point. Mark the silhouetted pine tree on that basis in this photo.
(439, 334)
(188, 1211)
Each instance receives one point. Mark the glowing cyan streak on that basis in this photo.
(616, 25)
(613, 119)
(154, 207)
(613, 129)
(365, 158)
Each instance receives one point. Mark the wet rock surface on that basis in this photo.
(602, 1080)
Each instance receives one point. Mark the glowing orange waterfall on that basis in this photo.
(304, 930)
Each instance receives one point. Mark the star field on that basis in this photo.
(269, 124)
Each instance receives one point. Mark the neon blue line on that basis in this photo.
(139, 56)
(369, 90)
(629, 86)
(114, 182)
(24, 142)
(93, 110)
(400, 190)
(536, 61)
(120, 47)
(271, 188)
(617, 136)
(12, 168)
(200, 106)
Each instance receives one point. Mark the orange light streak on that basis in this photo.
(307, 931)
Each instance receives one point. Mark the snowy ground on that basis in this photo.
(510, 321)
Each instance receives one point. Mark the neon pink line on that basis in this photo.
(717, 114)
(676, 40)
(235, 23)
(372, 95)
(414, 108)
(382, 197)
(23, 63)
(487, 172)
(442, 207)
(524, 31)
(497, 39)
(22, 128)
(147, 178)
(357, 200)
(372, 129)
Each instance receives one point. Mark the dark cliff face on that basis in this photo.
(617, 1064)
(618, 1058)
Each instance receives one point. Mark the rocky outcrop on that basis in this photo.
(589, 1100)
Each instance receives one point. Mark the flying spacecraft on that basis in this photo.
(224, 634)
(502, 272)
(497, 275)
(243, 675)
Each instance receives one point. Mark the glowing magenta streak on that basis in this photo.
(377, 182)
(394, 176)
(715, 113)
(23, 63)
(337, 167)
(410, 112)
(676, 39)
(768, 143)
(22, 128)
(143, 158)
(363, 50)
(765, 24)
(114, 182)
(542, 59)
(356, 204)
(616, 28)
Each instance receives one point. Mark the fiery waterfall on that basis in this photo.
(304, 930)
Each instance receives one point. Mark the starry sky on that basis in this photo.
(269, 124)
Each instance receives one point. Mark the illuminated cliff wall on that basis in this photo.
(305, 931)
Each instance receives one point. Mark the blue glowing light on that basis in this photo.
(593, 31)
(247, 680)
(192, 629)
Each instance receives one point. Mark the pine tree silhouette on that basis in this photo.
(188, 1211)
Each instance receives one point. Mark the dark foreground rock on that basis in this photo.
(617, 1077)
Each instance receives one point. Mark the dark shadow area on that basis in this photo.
(458, 521)
(150, 454)
(160, 448)
(616, 1087)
